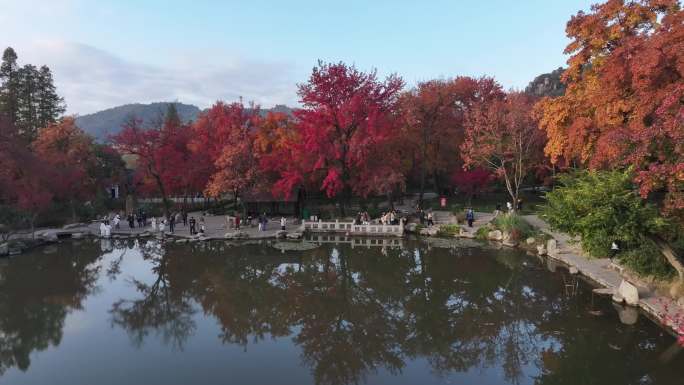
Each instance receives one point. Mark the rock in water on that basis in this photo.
(552, 247)
(628, 315)
(541, 250)
(280, 234)
(530, 241)
(629, 292)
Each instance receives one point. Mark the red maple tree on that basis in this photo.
(161, 156)
(472, 182)
(68, 153)
(433, 114)
(346, 119)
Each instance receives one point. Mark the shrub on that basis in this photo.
(602, 207)
(483, 233)
(448, 230)
(512, 223)
(460, 216)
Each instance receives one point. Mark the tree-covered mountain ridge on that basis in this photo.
(106, 123)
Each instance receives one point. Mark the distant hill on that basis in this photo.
(106, 123)
(548, 84)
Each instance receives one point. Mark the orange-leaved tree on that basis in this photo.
(624, 103)
(502, 135)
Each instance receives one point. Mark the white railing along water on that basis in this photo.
(354, 229)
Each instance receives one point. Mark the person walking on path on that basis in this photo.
(283, 222)
(201, 226)
(470, 217)
(185, 218)
(264, 221)
(153, 224)
(430, 220)
(117, 219)
(237, 221)
(193, 224)
(172, 223)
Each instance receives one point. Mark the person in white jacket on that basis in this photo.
(283, 222)
(153, 223)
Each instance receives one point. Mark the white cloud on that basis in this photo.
(91, 79)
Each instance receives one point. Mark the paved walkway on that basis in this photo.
(607, 274)
(215, 228)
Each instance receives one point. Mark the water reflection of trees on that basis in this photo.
(354, 311)
(36, 294)
(161, 310)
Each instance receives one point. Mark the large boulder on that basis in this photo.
(541, 250)
(509, 242)
(50, 236)
(629, 293)
(295, 235)
(236, 235)
(463, 233)
(280, 234)
(411, 227)
(495, 235)
(530, 241)
(429, 231)
(552, 247)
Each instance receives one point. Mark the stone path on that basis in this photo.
(607, 274)
(215, 228)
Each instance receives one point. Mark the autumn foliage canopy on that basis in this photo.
(624, 103)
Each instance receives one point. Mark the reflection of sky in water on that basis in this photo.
(461, 317)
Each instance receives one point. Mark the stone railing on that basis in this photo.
(352, 229)
(354, 241)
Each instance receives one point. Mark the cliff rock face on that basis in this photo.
(548, 84)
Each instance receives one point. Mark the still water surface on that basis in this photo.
(124, 312)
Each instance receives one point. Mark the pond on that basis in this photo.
(439, 312)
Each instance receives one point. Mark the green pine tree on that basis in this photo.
(172, 119)
(9, 85)
(27, 118)
(50, 106)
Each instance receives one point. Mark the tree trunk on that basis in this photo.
(73, 211)
(671, 257)
(32, 222)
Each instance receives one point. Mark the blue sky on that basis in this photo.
(110, 52)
